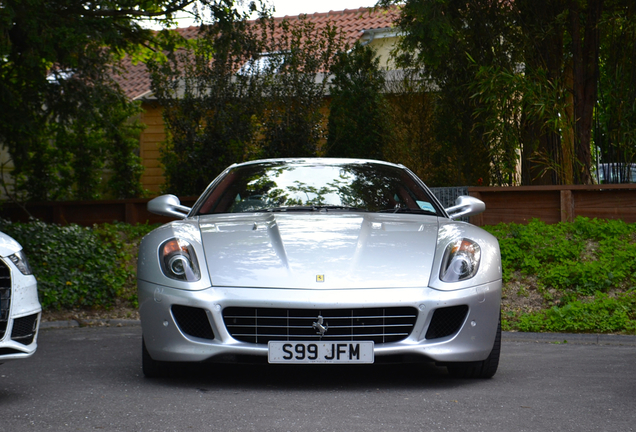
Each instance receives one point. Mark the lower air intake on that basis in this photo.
(446, 321)
(192, 321)
(24, 329)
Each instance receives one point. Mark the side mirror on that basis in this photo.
(466, 206)
(168, 205)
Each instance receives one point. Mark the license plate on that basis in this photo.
(321, 352)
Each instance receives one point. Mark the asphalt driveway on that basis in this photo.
(90, 378)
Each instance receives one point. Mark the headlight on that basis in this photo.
(460, 261)
(21, 262)
(178, 260)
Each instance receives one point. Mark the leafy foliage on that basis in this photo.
(411, 138)
(584, 256)
(520, 80)
(603, 314)
(579, 267)
(444, 40)
(209, 110)
(293, 124)
(65, 121)
(80, 267)
(358, 117)
(615, 132)
(238, 92)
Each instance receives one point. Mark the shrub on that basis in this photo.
(77, 266)
(603, 314)
(584, 256)
(574, 266)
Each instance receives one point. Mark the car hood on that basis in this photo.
(319, 250)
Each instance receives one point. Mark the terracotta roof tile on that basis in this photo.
(135, 80)
(352, 22)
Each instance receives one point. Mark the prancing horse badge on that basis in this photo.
(320, 278)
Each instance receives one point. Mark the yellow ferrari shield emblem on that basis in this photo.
(320, 278)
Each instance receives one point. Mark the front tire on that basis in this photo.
(482, 369)
(151, 368)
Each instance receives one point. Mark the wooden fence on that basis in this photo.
(87, 213)
(551, 204)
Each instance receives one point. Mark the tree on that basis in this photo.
(242, 89)
(298, 57)
(411, 108)
(63, 115)
(358, 115)
(445, 39)
(615, 120)
(212, 95)
(534, 79)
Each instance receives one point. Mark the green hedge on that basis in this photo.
(586, 271)
(80, 267)
(601, 314)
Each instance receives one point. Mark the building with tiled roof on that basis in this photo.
(370, 26)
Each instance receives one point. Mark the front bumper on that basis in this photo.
(20, 313)
(165, 341)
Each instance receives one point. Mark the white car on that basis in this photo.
(320, 261)
(20, 308)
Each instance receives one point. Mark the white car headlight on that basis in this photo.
(178, 260)
(21, 262)
(460, 261)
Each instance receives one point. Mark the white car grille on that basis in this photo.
(5, 297)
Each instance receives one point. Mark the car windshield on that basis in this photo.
(279, 186)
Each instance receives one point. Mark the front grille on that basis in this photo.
(5, 297)
(24, 329)
(261, 325)
(446, 321)
(192, 321)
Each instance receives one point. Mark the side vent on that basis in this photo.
(192, 321)
(24, 329)
(446, 321)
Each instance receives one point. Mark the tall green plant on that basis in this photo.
(411, 108)
(64, 119)
(299, 56)
(513, 105)
(444, 39)
(358, 114)
(615, 128)
(210, 110)
(242, 90)
(551, 49)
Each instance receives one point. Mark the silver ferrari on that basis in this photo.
(320, 261)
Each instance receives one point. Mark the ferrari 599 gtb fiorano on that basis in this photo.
(320, 261)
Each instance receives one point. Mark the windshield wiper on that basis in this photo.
(286, 209)
(408, 210)
(339, 207)
(310, 208)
